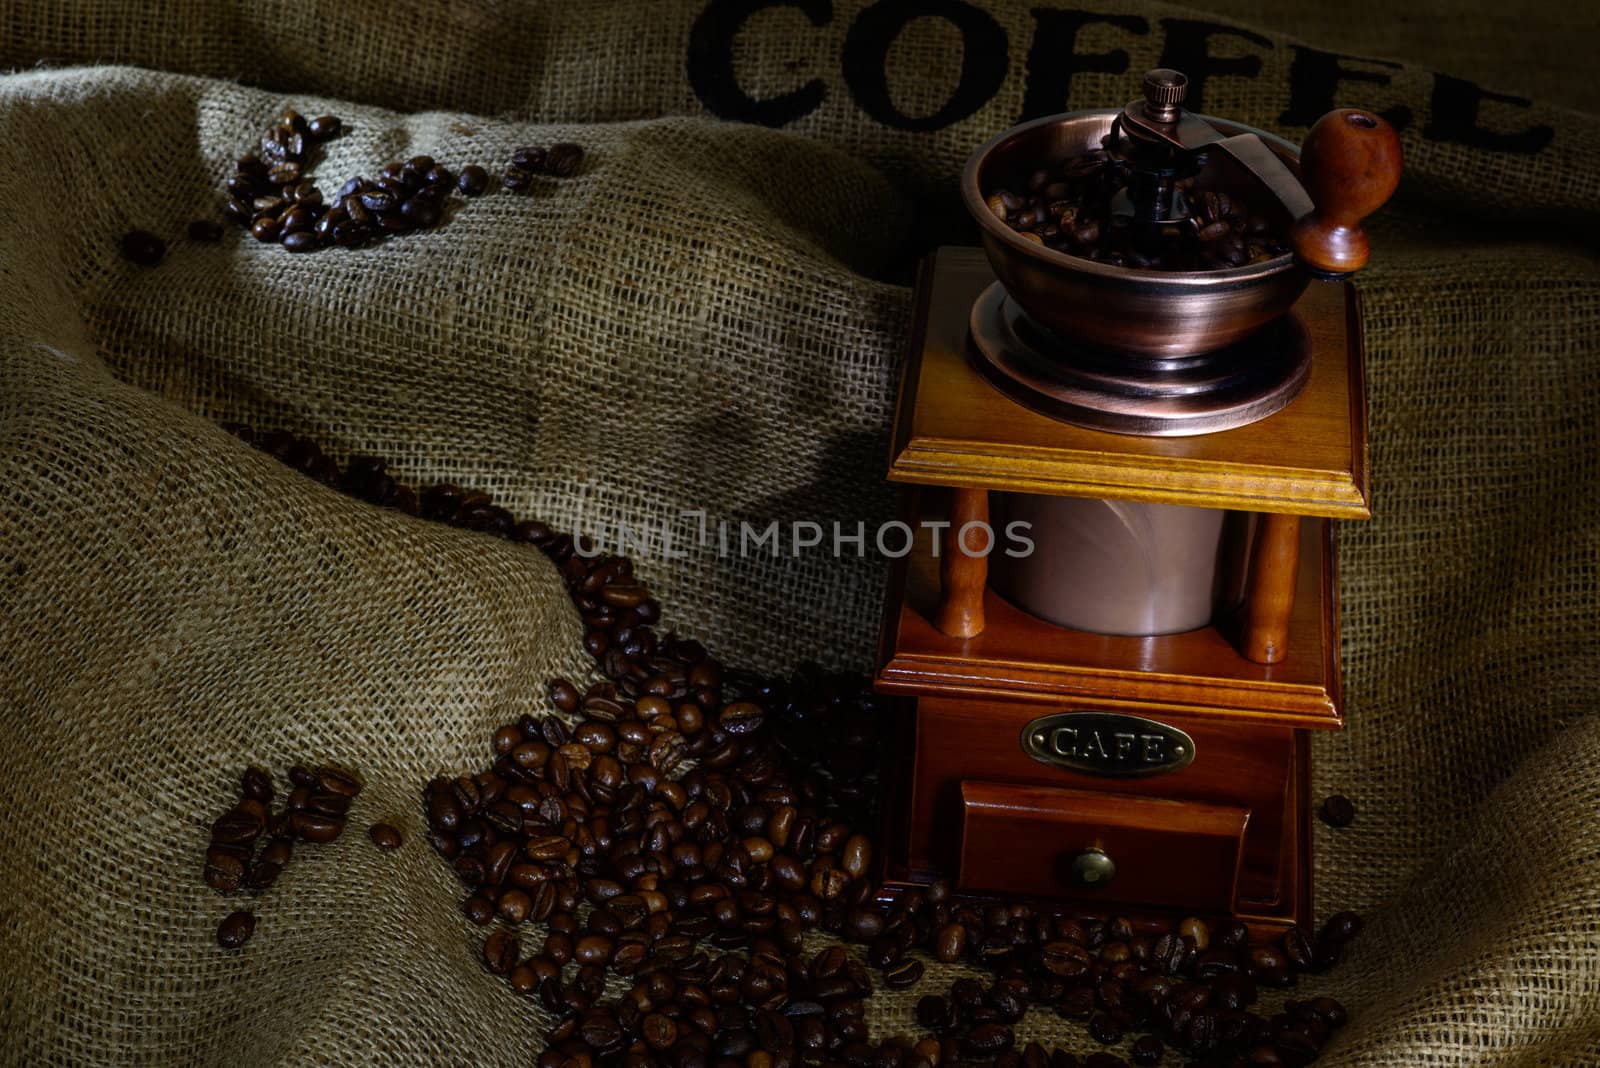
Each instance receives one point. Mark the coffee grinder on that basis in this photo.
(1118, 721)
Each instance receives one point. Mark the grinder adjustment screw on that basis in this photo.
(1164, 90)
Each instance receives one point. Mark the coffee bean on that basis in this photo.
(593, 949)
(1231, 933)
(1337, 811)
(500, 952)
(419, 212)
(906, 973)
(1342, 927)
(238, 826)
(205, 231)
(1195, 931)
(564, 159)
(603, 708)
(223, 871)
(1330, 1011)
(562, 693)
(856, 856)
(311, 827)
(379, 201)
(325, 804)
(504, 815)
(263, 875)
(658, 1031)
(444, 814)
(324, 127)
(507, 738)
(478, 909)
(1297, 949)
(385, 836)
(1105, 1029)
(295, 220)
(235, 929)
(950, 942)
(1066, 959)
(265, 228)
(741, 717)
(530, 159)
(523, 979)
(301, 241)
(514, 906)
(549, 847)
(986, 1040)
(278, 851)
(143, 248)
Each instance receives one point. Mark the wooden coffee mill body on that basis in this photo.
(1160, 775)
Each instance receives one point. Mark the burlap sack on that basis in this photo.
(708, 318)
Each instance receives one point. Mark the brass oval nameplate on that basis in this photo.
(1107, 743)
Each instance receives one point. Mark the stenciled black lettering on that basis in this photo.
(1053, 58)
(1453, 117)
(1314, 78)
(985, 58)
(1188, 48)
(711, 73)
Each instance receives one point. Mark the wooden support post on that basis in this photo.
(1274, 570)
(964, 574)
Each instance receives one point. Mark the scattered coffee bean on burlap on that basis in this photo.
(205, 231)
(236, 929)
(473, 180)
(324, 127)
(385, 836)
(564, 159)
(143, 248)
(1337, 811)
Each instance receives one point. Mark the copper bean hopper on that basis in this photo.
(1117, 719)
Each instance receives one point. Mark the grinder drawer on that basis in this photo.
(1098, 846)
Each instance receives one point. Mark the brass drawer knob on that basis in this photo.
(1092, 868)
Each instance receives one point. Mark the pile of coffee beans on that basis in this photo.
(314, 811)
(271, 192)
(1070, 209)
(681, 825)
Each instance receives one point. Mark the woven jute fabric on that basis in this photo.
(706, 321)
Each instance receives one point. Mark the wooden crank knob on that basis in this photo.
(1349, 165)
